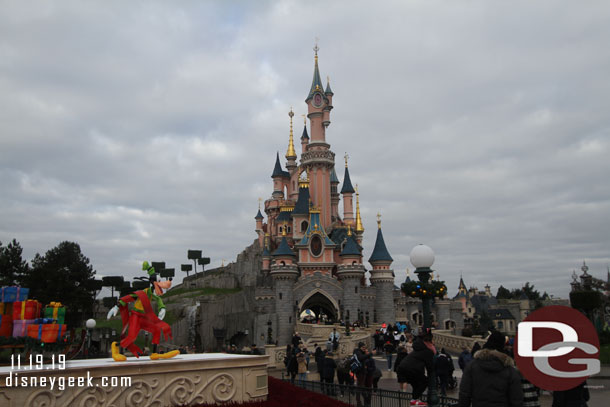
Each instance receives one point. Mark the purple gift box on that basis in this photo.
(20, 327)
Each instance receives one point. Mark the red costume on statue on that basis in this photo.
(134, 321)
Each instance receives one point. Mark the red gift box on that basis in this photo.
(47, 333)
(6, 325)
(29, 309)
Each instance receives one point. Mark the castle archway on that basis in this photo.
(321, 304)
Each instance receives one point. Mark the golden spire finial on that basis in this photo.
(284, 229)
(223, 263)
(379, 220)
(359, 227)
(316, 49)
(408, 272)
(349, 230)
(259, 203)
(291, 153)
(346, 157)
(304, 119)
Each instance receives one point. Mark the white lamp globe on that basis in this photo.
(90, 324)
(422, 256)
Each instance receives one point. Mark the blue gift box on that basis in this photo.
(13, 293)
(43, 321)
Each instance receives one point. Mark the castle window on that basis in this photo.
(289, 228)
(304, 226)
(356, 289)
(316, 245)
(280, 296)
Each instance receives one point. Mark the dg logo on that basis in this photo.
(557, 348)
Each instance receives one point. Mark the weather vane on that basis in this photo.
(379, 219)
(316, 48)
(259, 202)
(304, 119)
(346, 157)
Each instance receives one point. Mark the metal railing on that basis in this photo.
(365, 396)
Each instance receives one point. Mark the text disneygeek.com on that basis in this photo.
(60, 383)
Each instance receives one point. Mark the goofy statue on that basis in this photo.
(143, 317)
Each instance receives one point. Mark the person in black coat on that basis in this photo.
(401, 353)
(415, 365)
(444, 370)
(292, 366)
(328, 374)
(576, 397)
(491, 380)
(363, 377)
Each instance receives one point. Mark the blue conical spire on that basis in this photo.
(316, 83)
(380, 252)
(259, 215)
(277, 170)
(283, 249)
(305, 136)
(351, 246)
(347, 183)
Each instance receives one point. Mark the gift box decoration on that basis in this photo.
(20, 327)
(44, 321)
(29, 309)
(13, 293)
(6, 325)
(47, 333)
(56, 311)
(6, 308)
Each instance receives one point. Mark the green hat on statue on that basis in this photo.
(148, 268)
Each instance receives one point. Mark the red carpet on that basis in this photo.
(283, 394)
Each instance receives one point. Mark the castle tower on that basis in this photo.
(284, 272)
(315, 248)
(266, 256)
(462, 295)
(382, 278)
(318, 160)
(350, 273)
(347, 191)
(304, 137)
(259, 224)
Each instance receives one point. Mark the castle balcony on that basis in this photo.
(350, 271)
(317, 157)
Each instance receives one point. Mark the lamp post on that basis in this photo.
(90, 324)
(422, 257)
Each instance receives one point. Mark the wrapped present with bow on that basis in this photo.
(44, 321)
(28, 309)
(20, 327)
(56, 311)
(13, 293)
(6, 325)
(47, 333)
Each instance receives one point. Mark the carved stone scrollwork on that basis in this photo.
(139, 394)
(43, 398)
(279, 356)
(223, 389)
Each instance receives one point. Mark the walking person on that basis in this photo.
(401, 353)
(416, 364)
(334, 339)
(344, 375)
(292, 366)
(490, 379)
(464, 358)
(444, 370)
(301, 366)
(328, 374)
(319, 358)
(363, 379)
(388, 348)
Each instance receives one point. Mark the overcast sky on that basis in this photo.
(142, 129)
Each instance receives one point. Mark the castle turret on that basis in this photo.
(259, 225)
(359, 226)
(266, 256)
(347, 191)
(304, 137)
(351, 272)
(278, 179)
(285, 272)
(382, 277)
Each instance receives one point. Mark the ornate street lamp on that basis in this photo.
(422, 257)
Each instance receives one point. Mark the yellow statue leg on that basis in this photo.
(165, 355)
(116, 355)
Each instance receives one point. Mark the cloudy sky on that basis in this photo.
(142, 129)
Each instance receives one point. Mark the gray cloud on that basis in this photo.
(145, 129)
